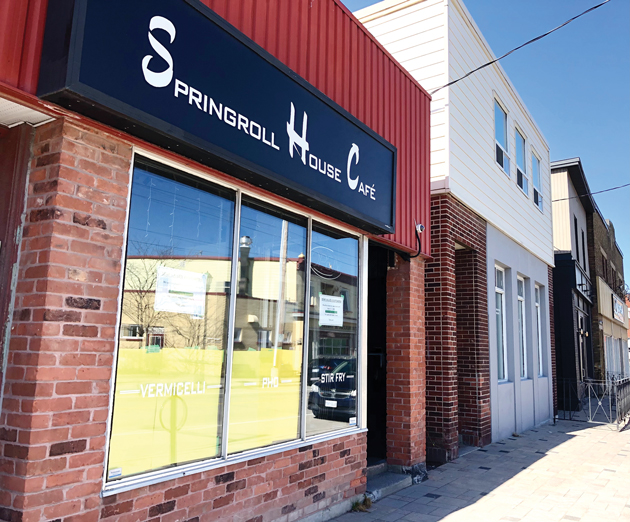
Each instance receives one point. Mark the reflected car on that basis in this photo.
(333, 388)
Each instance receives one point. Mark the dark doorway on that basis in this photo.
(377, 360)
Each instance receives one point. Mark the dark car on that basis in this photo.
(333, 388)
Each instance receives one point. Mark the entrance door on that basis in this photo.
(377, 360)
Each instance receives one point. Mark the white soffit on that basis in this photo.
(12, 114)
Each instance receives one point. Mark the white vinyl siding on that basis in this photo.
(437, 41)
(475, 177)
(416, 37)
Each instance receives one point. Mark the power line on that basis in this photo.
(591, 193)
(519, 47)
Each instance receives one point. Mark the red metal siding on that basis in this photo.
(21, 35)
(322, 42)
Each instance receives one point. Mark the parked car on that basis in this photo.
(333, 389)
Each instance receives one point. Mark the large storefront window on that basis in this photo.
(211, 357)
(333, 342)
(173, 336)
(269, 325)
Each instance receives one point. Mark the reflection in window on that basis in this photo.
(500, 136)
(173, 337)
(333, 329)
(267, 362)
(521, 171)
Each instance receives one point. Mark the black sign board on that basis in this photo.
(174, 73)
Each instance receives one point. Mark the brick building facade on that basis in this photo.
(458, 392)
(607, 275)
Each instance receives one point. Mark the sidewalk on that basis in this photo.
(569, 472)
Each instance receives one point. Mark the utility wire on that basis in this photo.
(591, 193)
(519, 47)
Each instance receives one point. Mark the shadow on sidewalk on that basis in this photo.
(475, 475)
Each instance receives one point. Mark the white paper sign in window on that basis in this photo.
(180, 292)
(330, 310)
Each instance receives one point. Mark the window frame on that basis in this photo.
(155, 476)
(537, 191)
(538, 301)
(504, 150)
(523, 172)
(501, 291)
(522, 328)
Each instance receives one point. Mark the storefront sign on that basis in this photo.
(180, 292)
(330, 310)
(174, 73)
(617, 308)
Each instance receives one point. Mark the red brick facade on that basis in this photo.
(458, 359)
(406, 388)
(60, 363)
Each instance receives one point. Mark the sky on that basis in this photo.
(575, 83)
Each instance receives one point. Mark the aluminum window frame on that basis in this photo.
(522, 170)
(538, 299)
(151, 477)
(538, 192)
(504, 149)
(521, 306)
(501, 291)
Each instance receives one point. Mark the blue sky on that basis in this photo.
(576, 84)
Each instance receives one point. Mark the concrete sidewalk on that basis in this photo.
(569, 472)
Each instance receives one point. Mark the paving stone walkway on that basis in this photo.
(572, 471)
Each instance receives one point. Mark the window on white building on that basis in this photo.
(499, 291)
(500, 135)
(538, 197)
(539, 331)
(522, 341)
(521, 170)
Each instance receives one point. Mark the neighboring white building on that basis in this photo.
(489, 160)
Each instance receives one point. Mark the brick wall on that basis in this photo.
(553, 339)
(458, 360)
(406, 439)
(56, 396)
(297, 483)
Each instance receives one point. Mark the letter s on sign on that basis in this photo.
(354, 151)
(159, 79)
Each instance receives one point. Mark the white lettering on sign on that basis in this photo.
(159, 79)
(354, 153)
(270, 382)
(161, 389)
(332, 377)
(295, 140)
(226, 114)
(242, 123)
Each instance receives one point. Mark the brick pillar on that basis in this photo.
(441, 317)
(458, 357)
(56, 395)
(406, 439)
(473, 359)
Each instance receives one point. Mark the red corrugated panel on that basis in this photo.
(21, 35)
(322, 42)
